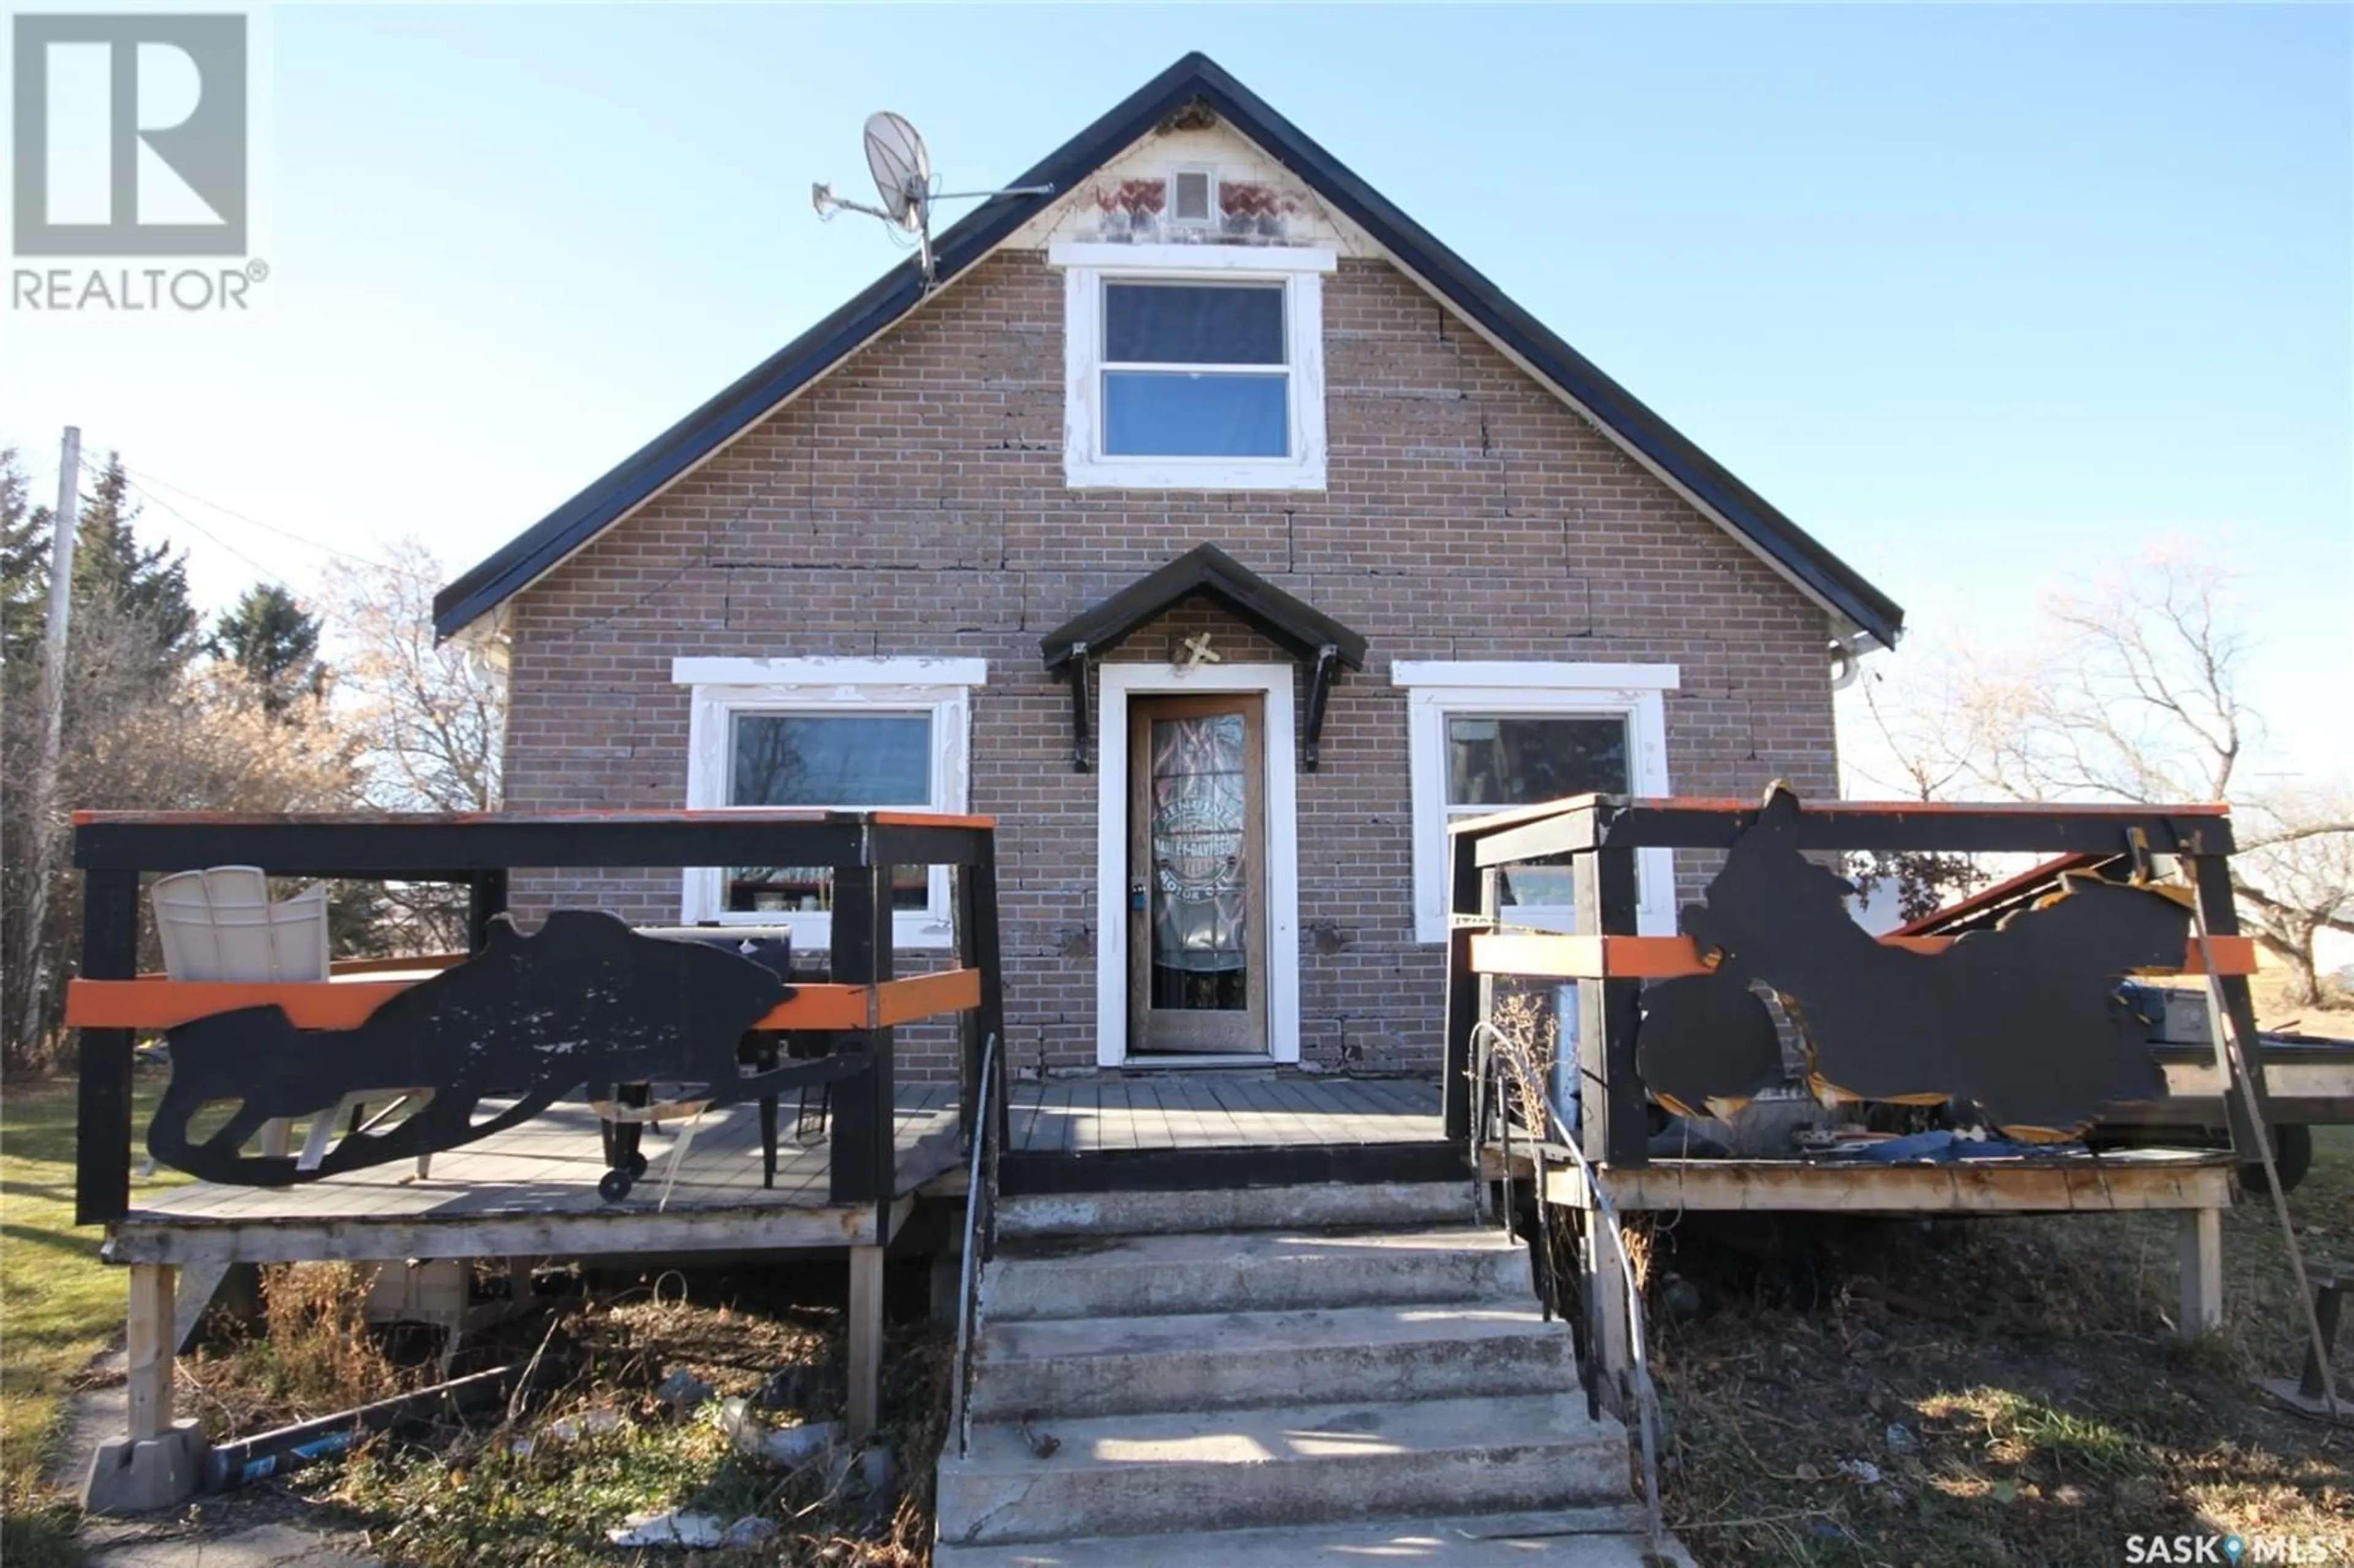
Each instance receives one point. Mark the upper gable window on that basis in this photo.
(1194, 366)
(1194, 370)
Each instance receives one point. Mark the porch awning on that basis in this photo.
(1318, 641)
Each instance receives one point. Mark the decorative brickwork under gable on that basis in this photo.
(912, 504)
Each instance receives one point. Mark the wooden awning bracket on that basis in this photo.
(1076, 667)
(1326, 670)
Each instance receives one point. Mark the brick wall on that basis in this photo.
(912, 504)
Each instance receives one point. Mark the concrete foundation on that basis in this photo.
(138, 1476)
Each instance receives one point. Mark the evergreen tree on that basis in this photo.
(274, 642)
(24, 569)
(146, 586)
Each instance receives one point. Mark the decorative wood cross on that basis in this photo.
(1197, 651)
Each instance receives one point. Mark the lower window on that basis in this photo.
(1486, 736)
(827, 735)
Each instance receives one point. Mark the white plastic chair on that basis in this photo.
(219, 924)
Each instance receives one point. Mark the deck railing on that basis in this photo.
(111, 1005)
(979, 1233)
(1512, 1086)
(1610, 958)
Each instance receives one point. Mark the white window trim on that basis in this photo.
(724, 688)
(1437, 688)
(1116, 683)
(1298, 267)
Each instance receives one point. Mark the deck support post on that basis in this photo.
(865, 1341)
(147, 1340)
(2203, 1273)
(863, 1161)
(110, 951)
(1609, 1332)
(1614, 1130)
(1464, 991)
(158, 1462)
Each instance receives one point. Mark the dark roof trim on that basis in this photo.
(1204, 569)
(1195, 77)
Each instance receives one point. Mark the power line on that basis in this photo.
(185, 492)
(270, 573)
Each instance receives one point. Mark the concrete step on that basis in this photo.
(1233, 1469)
(1562, 1538)
(1096, 1215)
(1104, 1366)
(1257, 1271)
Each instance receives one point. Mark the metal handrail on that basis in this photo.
(1645, 1393)
(980, 1229)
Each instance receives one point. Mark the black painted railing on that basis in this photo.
(862, 1005)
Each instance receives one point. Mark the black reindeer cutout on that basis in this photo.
(2026, 1020)
(583, 1002)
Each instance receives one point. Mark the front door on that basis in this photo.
(1197, 875)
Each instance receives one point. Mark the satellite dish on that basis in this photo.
(901, 168)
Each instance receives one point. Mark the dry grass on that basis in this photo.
(602, 1447)
(312, 1354)
(2046, 1414)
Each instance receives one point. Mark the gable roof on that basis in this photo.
(1822, 576)
(1207, 570)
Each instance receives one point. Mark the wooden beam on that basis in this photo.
(865, 1341)
(362, 1239)
(2140, 1180)
(156, 1003)
(1559, 956)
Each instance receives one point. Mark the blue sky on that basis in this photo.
(1981, 296)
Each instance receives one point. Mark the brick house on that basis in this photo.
(1222, 534)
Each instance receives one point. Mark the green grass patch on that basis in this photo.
(60, 1305)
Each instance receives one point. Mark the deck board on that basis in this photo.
(534, 1186)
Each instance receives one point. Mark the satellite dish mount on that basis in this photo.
(904, 186)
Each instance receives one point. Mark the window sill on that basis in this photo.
(1191, 473)
(813, 932)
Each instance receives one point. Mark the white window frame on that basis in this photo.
(1437, 688)
(1087, 266)
(724, 688)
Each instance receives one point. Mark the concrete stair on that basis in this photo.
(1275, 1376)
(1559, 1538)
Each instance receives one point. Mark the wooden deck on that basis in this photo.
(533, 1189)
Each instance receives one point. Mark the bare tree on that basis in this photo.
(2295, 876)
(2134, 694)
(200, 740)
(430, 719)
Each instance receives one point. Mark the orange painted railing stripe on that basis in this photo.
(766, 814)
(1664, 958)
(163, 1003)
(1515, 815)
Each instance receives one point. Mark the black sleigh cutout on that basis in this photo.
(582, 1003)
(2026, 1020)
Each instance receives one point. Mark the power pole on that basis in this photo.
(65, 528)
